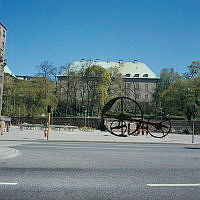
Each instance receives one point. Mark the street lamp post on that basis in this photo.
(14, 105)
(52, 112)
(85, 117)
(161, 112)
(19, 116)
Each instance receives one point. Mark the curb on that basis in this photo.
(89, 141)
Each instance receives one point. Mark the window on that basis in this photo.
(0, 79)
(128, 85)
(3, 45)
(4, 33)
(136, 75)
(1, 55)
(146, 87)
(146, 96)
(127, 75)
(1, 58)
(145, 75)
(137, 86)
(137, 96)
(81, 84)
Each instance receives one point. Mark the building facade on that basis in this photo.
(3, 31)
(139, 82)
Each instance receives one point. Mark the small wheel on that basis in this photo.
(159, 128)
(118, 128)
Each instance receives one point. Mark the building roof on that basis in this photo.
(127, 69)
(8, 71)
(3, 26)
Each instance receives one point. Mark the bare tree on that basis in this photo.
(46, 69)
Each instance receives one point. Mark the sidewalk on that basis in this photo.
(15, 134)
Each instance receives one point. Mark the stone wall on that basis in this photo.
(179, 126)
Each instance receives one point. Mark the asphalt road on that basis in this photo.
(90, 171)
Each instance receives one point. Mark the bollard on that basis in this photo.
(7, 127)
(45, 132)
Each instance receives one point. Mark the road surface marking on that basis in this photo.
(173, 185)
(4, 183)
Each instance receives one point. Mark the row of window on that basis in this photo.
(137, 86)
(137, 75)
(137, 96)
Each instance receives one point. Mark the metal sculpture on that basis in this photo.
(122, 116)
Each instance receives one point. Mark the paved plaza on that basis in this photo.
(15, 134)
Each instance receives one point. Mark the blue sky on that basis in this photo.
(160, 33)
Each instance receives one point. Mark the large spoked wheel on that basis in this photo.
(159, 129)
(121, 116)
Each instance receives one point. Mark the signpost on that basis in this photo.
(193, 131)
(49, 120)
(193, 116)
(85, 117)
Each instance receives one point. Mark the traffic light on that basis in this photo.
(49, 109)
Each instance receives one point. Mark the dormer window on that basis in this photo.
(145, 75)
(4, 33)
(127, 75)
(136, 76)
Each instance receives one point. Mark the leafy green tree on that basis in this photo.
(167, 77)
(28, 98)
(178, 94)
(8, 95)
(42, 94)
(98, 81)
(84, 90)
(116, 87)
(176, 98)
(194, 70)
(193, 76)
(195, 89)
